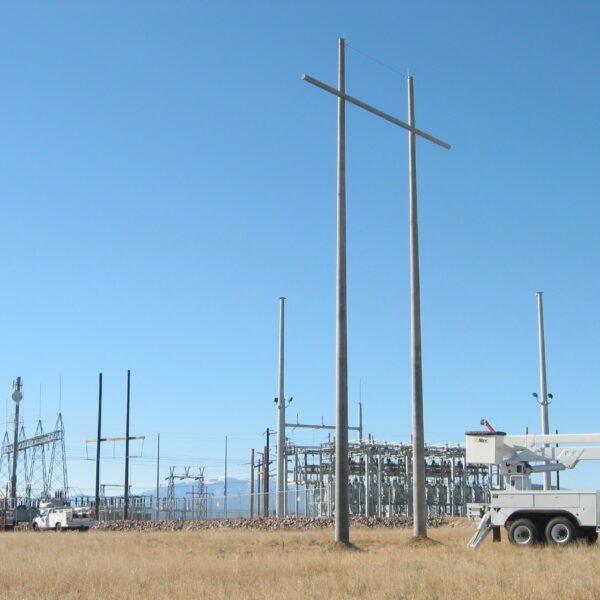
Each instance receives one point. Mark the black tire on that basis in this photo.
(35, 526)
(523, 532)
(84, 529)
(560, 531)
(588, 534)
(58, 527)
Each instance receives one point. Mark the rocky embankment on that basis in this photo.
(266, 524)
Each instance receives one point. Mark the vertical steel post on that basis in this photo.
(98, 446)
(543, 387)
(266, 481)
(360, 422)
(342, 517)
(126, 505)
(252, 483)
(16, 396)
(225, 483)
(418, 434)
(281, 508)
(258, 485)
(157, 477)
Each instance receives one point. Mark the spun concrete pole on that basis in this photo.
(342, 517)
(418, 435)
(281, 457)
(543, 383)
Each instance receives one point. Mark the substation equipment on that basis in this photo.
(39, 468)
(380, 479)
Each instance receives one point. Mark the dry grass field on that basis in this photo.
(288, 564)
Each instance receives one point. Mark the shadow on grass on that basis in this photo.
(422, 540)
(344, 547)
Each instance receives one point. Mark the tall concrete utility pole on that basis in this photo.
(543, 387)
(418, 434)
(281, 457)
(17, 396)
(342, 510)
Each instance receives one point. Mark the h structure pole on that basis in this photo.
(543, 385)
(281, 457)
(341, 473)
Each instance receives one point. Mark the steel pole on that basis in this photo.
(252, 483)
(13, 480)
(543, 386)
(126, 505)
(342, 517)
(419, 506)
(281, 458)
(157, 476)
(225, 483)
(98, 446)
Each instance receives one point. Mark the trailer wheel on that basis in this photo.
(560, 531)
(523, 533)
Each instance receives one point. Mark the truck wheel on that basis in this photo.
(560, 531)
(35, 526)
(591, 538)
(523, 533)
(58, 527)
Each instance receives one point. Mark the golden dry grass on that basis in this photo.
(288, 564)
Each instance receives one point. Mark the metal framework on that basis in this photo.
(41, 464)
(195, 507)
(380, 479)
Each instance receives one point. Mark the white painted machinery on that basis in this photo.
(63, 518)
(556, 516)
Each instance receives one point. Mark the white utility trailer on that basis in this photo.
(63, 518)
(530, 516)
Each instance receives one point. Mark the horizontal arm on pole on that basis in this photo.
(117, 439)
(375, 111)
(300, 426)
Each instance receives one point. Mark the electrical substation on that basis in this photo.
(380, 479)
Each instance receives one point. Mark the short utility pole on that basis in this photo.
(281, 456)
(342, 533)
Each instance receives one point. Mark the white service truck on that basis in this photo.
(530, 516)
(63, 518)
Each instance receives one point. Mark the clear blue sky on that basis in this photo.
(166, 176)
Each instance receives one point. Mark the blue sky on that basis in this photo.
(166, 176)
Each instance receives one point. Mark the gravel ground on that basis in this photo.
(267, 524)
